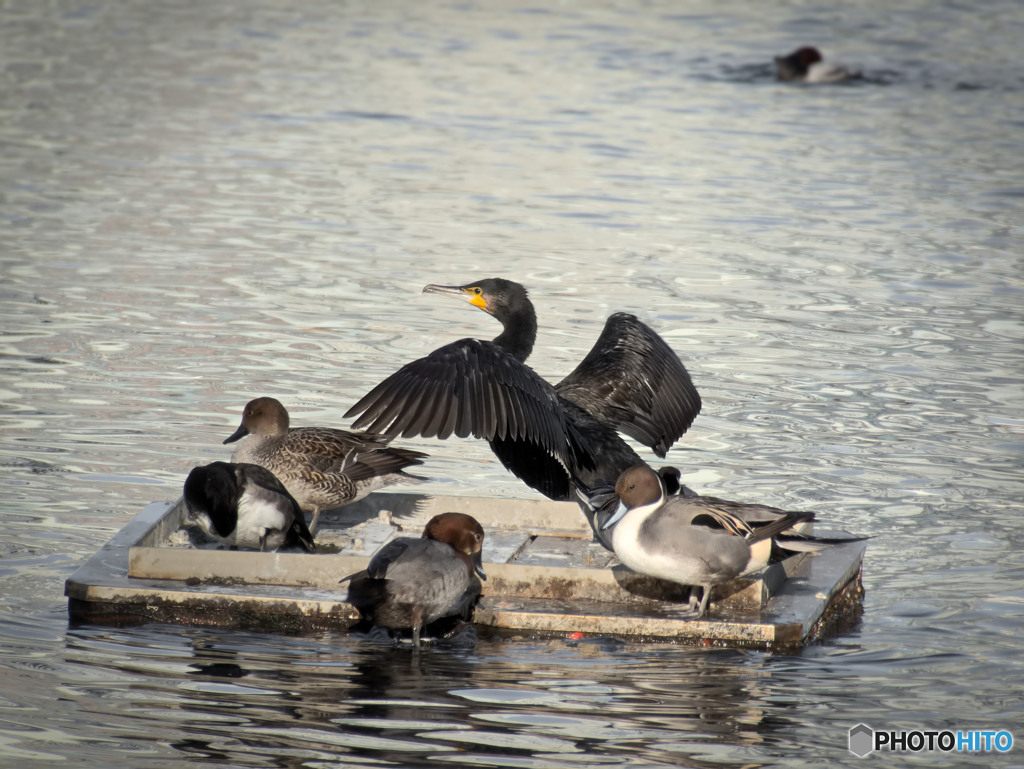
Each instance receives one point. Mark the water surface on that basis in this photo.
(202, 203)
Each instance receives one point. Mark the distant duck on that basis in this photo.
(322, 467)
(246, 506)
(687, 539)
(412, 582)
(806, 65)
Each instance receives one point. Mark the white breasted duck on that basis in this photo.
(246, 506)
(686, 539)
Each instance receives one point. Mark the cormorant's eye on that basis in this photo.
(477, 290)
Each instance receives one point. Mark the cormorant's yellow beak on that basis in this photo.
(472, 294)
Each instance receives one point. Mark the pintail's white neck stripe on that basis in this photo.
(627, 540)
(645, 511)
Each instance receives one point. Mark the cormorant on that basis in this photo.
(562, 439)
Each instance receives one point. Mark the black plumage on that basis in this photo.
(557, 438)
(244, 505)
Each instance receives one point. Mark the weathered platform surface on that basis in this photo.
(545, 575)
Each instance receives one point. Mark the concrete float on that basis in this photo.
(545, 575)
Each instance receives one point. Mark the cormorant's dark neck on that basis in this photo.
(520, 332)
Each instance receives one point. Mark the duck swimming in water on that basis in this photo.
(412, 582)
(559, 439)
(246, 506)
(322, 467)
(686, 539)
(806, 65)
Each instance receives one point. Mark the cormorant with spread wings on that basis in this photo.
(559, 439)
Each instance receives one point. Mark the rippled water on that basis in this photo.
(202, 202)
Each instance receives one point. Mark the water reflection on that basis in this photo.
(238, 697)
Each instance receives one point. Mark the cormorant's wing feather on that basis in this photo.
(474, 388)
(536, 467)
(429, 401)
(632, 379)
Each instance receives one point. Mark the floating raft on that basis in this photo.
(545, 574)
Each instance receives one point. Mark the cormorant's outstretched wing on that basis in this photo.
(632, 379)
(473, 387)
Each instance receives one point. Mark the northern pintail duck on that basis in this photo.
(601, 503)
(806, 65)
(752, 513)
(322, 467)
(246, 506)
(686, 539)
(412, 582)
